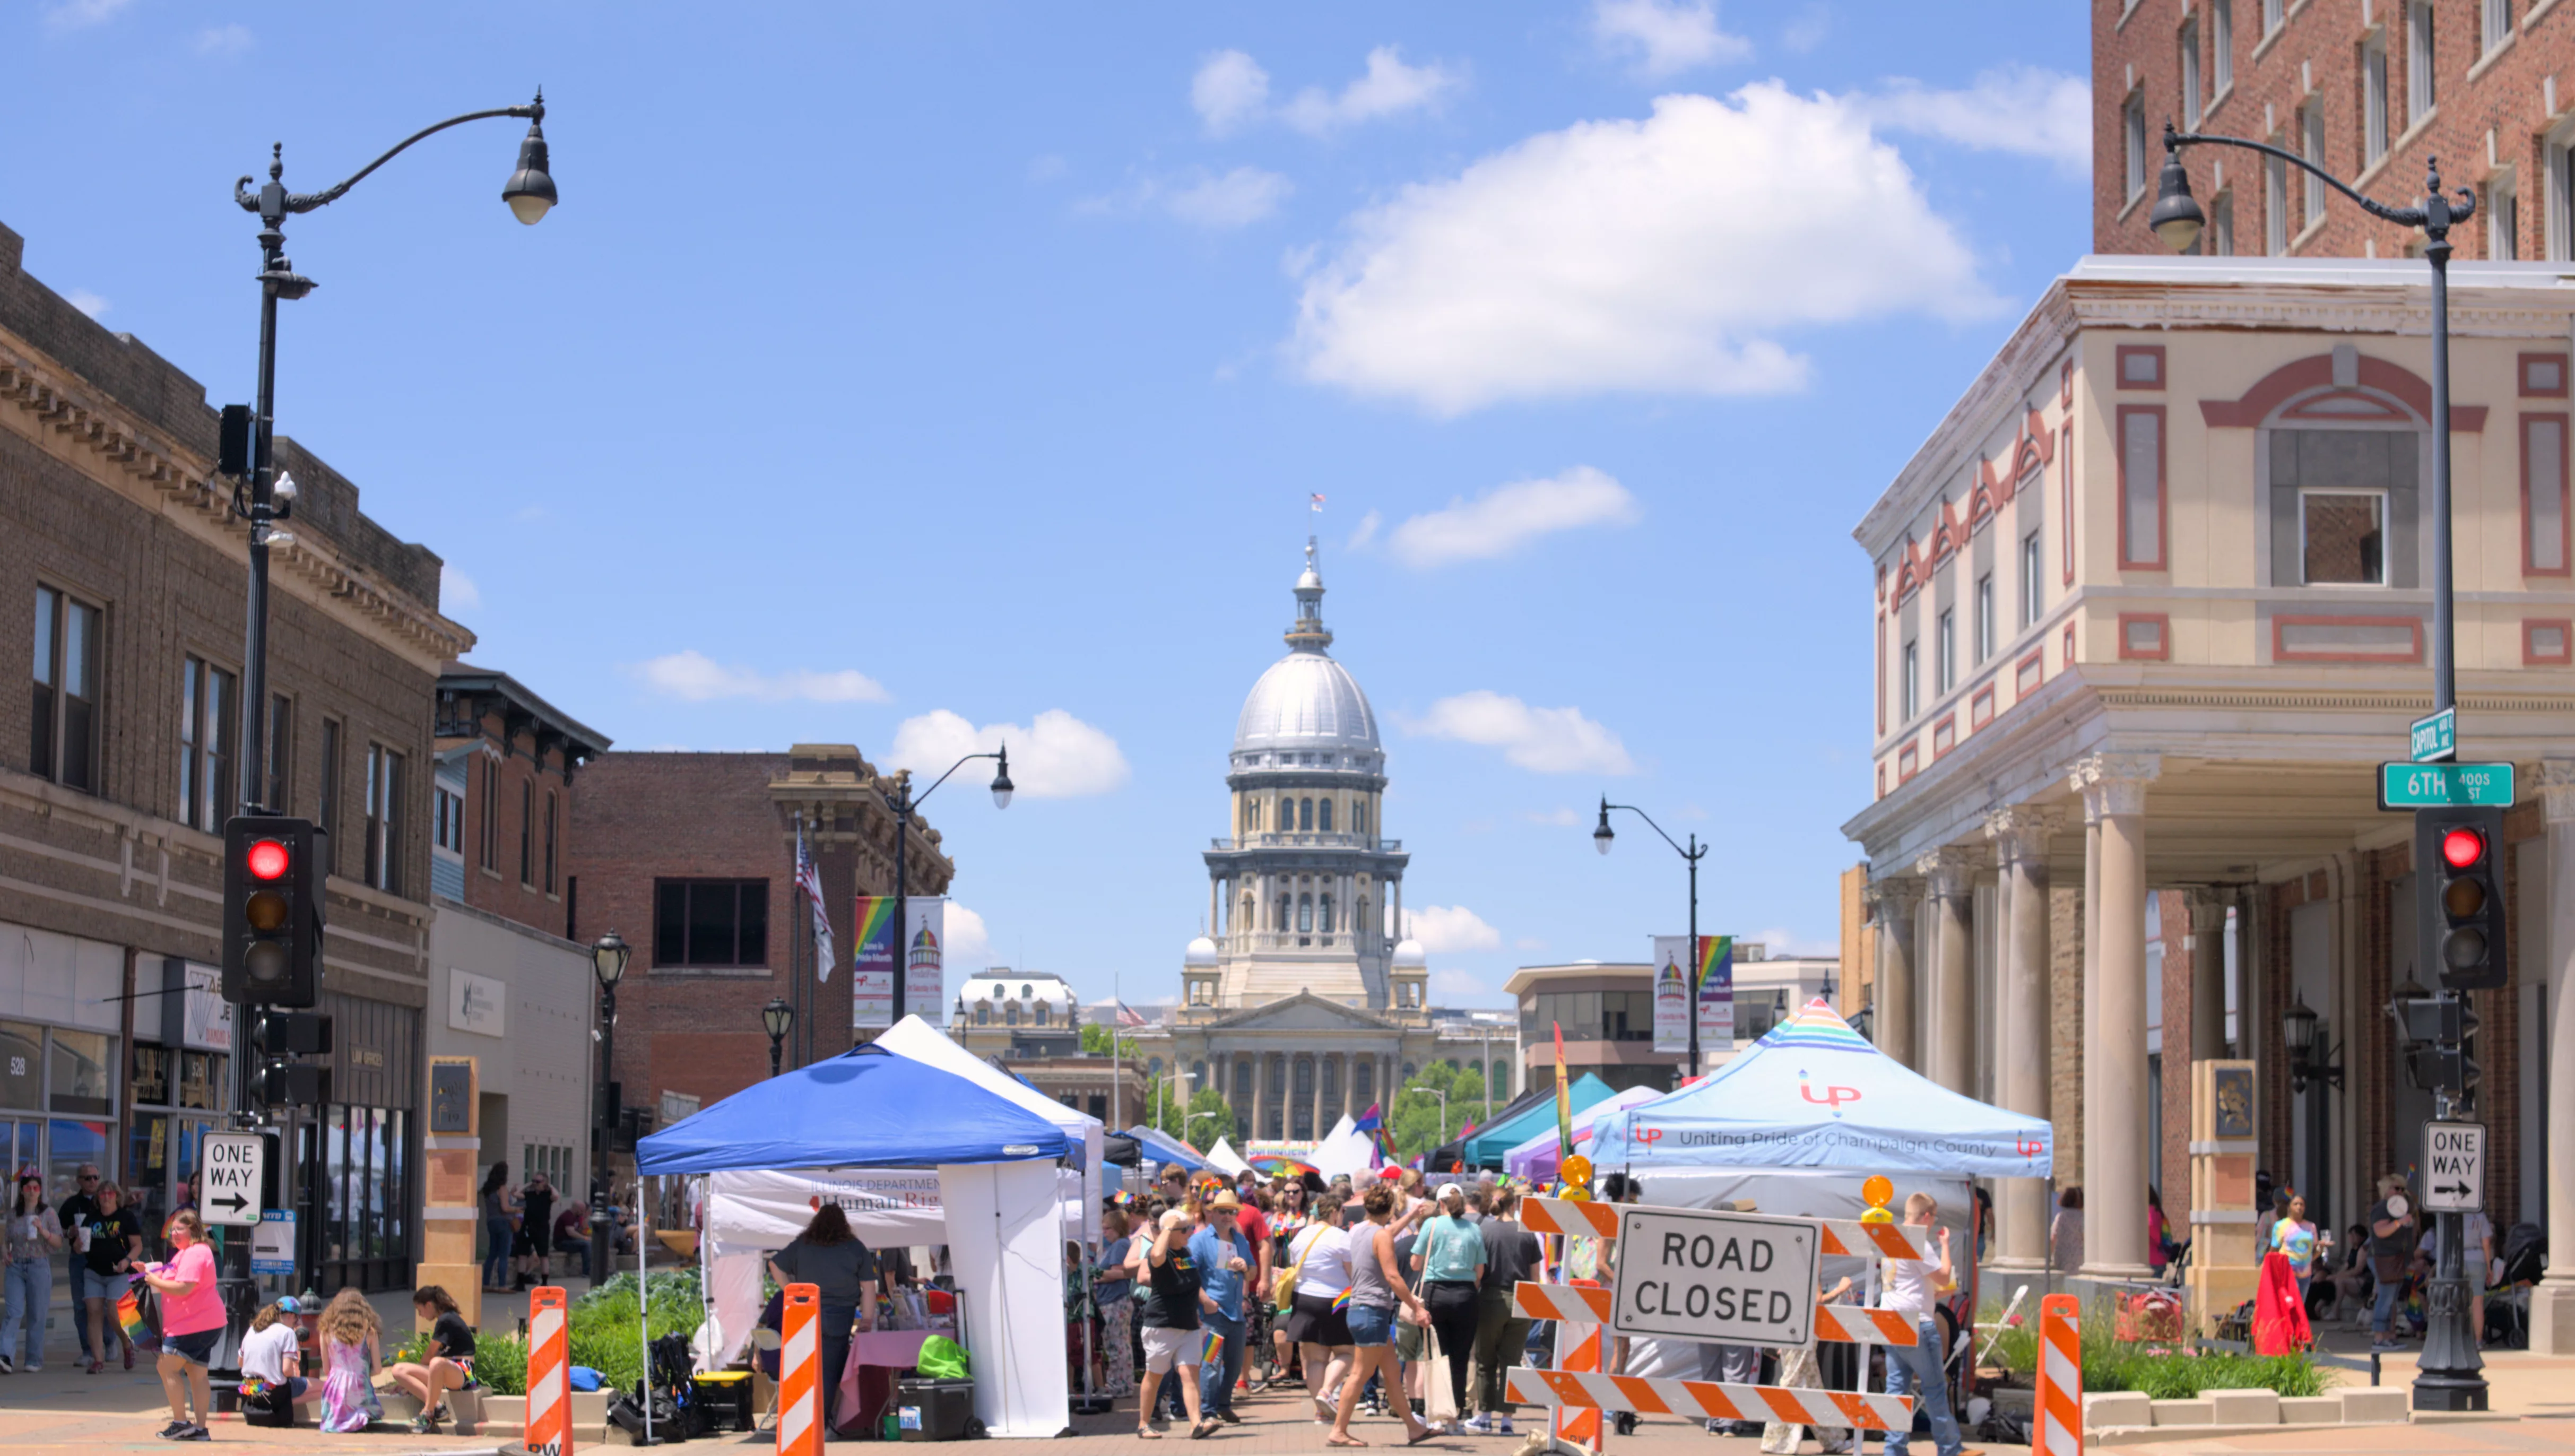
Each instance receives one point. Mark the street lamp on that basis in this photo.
(1600, 841)
(779, 1019)
(608, 958)
(900, 804)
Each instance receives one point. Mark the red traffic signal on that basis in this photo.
(267, 860)
(2462, 848)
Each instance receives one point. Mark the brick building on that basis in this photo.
(122, 590)
(508, 987)
(2368, 89)
(690, 858)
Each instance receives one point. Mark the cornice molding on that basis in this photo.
(47, 396)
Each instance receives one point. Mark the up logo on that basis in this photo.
(1830, 1097)
(2028, 1147)
(1649, 1136)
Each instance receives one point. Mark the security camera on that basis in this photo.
(284, 491)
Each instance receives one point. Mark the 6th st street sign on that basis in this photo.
(1729, 1278)
(234, 1167)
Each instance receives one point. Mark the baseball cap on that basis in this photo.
(1447, 1189)
(289, 1304)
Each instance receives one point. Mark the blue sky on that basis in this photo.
(895, 375)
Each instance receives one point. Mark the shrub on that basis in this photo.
(2159, 1372)
(501, 1363)
(607, 1329)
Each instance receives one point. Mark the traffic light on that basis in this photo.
(272, 912)
(278, 1036)
(2458, 896)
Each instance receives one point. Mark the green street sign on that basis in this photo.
(2437, 786)
(2436, 738)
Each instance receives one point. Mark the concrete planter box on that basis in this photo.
(2311, 1410)
(2256, 1407)
(2375, 1405)
(2125, 1418)
(2200, 1412)
(2114, 1409)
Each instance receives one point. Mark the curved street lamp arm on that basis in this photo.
(303, 202)
(2410, 217)
(1658, 829)
(950, 773)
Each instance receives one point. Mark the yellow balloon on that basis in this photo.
(1578, 1169)
(1877, 1191)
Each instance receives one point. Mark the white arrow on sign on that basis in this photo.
(232, 1167)
(2454, 1168)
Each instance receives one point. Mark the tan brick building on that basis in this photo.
(2370, 89)
(122, 589)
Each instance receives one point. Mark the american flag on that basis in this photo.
(1318, 500)
(1129, 1017)
(811, 884)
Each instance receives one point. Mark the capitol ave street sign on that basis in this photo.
(2440, 785)
(2435, 739)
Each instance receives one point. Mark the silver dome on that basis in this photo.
(1306, 702)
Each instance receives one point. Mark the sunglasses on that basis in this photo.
(89, 1177)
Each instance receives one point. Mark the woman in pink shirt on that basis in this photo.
(192, 1319)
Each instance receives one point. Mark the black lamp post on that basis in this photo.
(779, 1019)
(608, 958)
(900, 804)
(2449, 1378)
(1600, 841)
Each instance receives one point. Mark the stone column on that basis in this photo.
(1950, 1050)
(1261, 1094)
(2552, 1304)
(1314, 1094)
(1892, 904)
(2208, 975)
(2022, 1053)
(2114, 998)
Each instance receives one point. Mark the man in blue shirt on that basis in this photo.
(1223, 1258)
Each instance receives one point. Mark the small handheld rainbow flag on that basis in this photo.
(139, 1332)
(1341, 1301)
(1213, 1350)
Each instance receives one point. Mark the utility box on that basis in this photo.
(2225, 1226)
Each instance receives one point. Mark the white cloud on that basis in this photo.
(1453, 985)
(1661, 255)
(1666, 36)
(223, 40)
(1237, 199)
(696, 678)
(1780, 940)
(1445, 928)
(2020, 109)
(81, 14)
(86, 301)
(1544, 740)
(1228, 89)
(1216, 201)
(1365, 532)
(1388, 88)
(457, 590)
(970, 943)
(1057, 756)
(1507, 518)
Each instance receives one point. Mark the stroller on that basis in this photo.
(2525, 1251)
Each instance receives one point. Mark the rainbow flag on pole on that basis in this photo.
(1563, 1098)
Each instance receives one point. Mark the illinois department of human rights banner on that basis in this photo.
(1671, 994)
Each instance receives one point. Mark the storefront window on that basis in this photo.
(73, 1143)
(201, 1079)
(152, 1076)
(335, 1182)
(84, 1073)
(147, 1162)
(22, 1067)
(24, 1145)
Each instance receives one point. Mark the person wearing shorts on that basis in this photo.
(1379, 1297)
(1170, 1316)
(192, 1320)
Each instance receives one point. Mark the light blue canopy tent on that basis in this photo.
(1485, 1149)
(1814, 1093)
(1161, 1147)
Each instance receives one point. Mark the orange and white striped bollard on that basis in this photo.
(800, 1365)
(2056, 1416)
(548, 1431)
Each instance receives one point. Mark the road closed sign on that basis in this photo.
(232, 1165)
(1728, 1278)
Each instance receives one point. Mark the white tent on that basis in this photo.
(1225, 1160)
(1345, 1149)
(926, 1044)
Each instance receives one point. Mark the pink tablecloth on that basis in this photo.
(880, 1349)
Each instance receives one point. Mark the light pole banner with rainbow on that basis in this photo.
(1711, 970)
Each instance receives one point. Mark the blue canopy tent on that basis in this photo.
(871, 1108)
(1814, 1093)
(1161, 1147)
(1509, 1128)
(865, 1109)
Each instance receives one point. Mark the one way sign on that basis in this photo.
(2454, 1168)
(234, 1166)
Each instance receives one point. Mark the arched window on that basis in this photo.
(1305, 813)
(1409, 1071)
(1027, 992)
(1042, 1013)
(1247, 915)
(1251, 816)
(982, 1013)
(1285, 916)
(1324, 816)
(1010, 1014)
(1286, 813)
(1363, 1081)
(1153, 1066)
(1358, 816)
(1327, 919)
(1359, 921)
(1305, 914)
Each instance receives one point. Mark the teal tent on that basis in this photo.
(1513, 1126)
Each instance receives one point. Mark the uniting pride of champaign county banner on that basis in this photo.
(1715, 980)
(925, 942)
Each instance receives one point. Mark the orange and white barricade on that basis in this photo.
(1836, 1324)
(2056, 1417)
(1592, 1393)
(1580, 1344)
(800, 1373)
(548, 1431)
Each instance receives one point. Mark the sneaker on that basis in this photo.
(1476, 1425)
(1502, 1426)
(194, 1433)
(1228, 1417)
(171, 1431)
